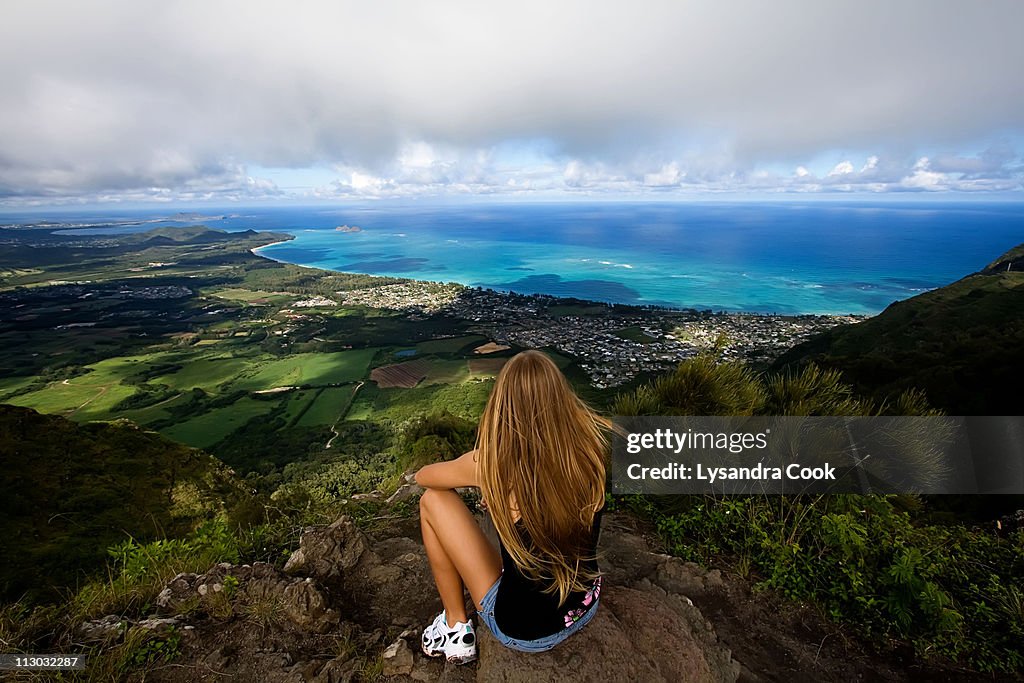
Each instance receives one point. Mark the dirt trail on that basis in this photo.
(342, 416)
(92, 398)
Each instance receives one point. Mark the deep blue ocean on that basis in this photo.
(783, 257)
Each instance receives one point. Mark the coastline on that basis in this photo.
(254, 251)
(257, 251)
(613, 343)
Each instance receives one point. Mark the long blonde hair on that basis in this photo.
(541, 448)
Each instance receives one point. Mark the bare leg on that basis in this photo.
(459, 553)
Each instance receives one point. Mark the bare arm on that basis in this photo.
(450, 474)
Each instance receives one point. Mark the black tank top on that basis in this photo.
(524, 611)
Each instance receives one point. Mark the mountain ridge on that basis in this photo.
(959, 344)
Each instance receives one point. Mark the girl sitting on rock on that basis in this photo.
(540, 465)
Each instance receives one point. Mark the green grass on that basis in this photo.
(362, 409)
(250, 295)
(211, 427)
(310, 368)
(453, 345)
(297, 403)
(635, 334)
(446, 372)
(328, 407)
(204, 372)
(78, 399)
(90, 396)
(397, 405)
(153, 413)
(11, 384)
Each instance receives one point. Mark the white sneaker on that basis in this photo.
(457, 643)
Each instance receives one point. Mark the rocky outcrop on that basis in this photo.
(638, 635)
(348, 608)
(259, 591)
(327, 554)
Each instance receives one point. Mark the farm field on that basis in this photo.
(309, 368)
(297, 402)
(209, 428)
(446, 372)
(90, 396)
(154, 413)
(204, 372)
(11, 384)
(79, 399)
(486, 366)
(328, 407)
(405, 375)
(250, 296)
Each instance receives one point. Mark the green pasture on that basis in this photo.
(149, 414)
(446, 372)
(328, 407)
(204, 372)
(297, 403)
(250, 295)
(93, 395)
(309, 368)
(78, 399)
(11, 384)
(209, 428)
(634, 333)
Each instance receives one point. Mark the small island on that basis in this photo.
(348, 228)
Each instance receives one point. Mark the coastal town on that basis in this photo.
(612, 343)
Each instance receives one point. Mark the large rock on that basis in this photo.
(327, 553)
(636, 636)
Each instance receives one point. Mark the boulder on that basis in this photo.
(635, 636)
(327, 553)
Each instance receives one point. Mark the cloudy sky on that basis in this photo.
(271, 101)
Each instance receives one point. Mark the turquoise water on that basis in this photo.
(783, 257)
(757, 258)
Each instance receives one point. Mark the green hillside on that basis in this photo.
(69, 491)
(961, 344)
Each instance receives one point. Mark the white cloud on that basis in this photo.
(667, 176)
(115, 97)
(842, 168)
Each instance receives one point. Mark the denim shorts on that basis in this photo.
(486, 614)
